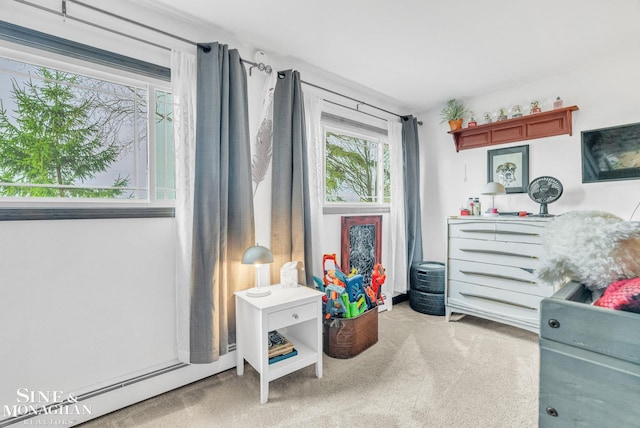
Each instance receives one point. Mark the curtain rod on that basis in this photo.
(351, 108)
(359, 103)
(262, 67)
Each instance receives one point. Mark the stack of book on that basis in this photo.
(279, 347)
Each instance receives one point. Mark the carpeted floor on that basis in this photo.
(423, 372)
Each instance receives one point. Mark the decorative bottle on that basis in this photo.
(476, 207)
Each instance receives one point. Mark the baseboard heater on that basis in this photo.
(81, 397)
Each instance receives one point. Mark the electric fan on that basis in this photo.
(545, 190)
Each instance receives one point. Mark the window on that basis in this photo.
(357, 166)
(73, 133)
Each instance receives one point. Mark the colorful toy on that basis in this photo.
(335, 303)
(378, 277)
(357, 308)
(338, 278)
(355, 287)
(347, 304)
(346, 295)
(319, 283)
(325, 259)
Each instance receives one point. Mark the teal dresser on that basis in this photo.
(589, 363)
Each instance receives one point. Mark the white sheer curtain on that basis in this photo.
(315, 154)
(183, 87)
(397, 280)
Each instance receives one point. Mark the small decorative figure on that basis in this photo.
(557, 103)
(502, 114)
(535, 106)
(487, 117)
(472, 120)
(516, 111)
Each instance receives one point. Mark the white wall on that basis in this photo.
(606, 91)
(90, 303)
(84, 301)
(87, 303)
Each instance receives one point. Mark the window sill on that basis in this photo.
(356, 209)
(22, 214)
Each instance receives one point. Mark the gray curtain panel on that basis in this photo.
(411, 154)
(223, 223)
(290, 199)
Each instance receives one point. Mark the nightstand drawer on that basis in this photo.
(290, 316)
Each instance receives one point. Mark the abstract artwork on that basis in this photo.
(361, 242)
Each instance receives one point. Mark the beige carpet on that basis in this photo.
(423, 372)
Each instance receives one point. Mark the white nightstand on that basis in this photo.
(296, 313)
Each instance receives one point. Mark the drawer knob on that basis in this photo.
(553, 323)
(294, 316)
(551, 411)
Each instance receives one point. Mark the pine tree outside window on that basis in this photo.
(67, 133)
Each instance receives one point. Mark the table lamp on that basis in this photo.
(492, 188)
(257, 256)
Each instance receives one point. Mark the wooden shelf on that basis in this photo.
(535, 125)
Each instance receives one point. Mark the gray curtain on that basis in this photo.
(290, 199)
(223, 223)
(411, 154)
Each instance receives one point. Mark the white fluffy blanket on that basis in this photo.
(595, 248)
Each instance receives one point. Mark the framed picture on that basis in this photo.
(361, 242)
(611, 153)
(509, 167)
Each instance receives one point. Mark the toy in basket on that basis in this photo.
(347, 296)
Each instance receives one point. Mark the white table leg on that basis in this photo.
(264, 390)
(239, 364)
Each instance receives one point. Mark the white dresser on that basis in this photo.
(491, 269)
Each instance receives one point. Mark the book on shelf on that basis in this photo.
(278, 344)
(281, 357)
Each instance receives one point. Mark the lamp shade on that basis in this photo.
(493, 188)
(257, 255)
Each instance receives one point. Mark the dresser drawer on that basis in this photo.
(495, 302)
(473, 229)
(520, 231)
(511, 278)
(294, 315)
(503, 253)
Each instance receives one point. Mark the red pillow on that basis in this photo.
(623, 295)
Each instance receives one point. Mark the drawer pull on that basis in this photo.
(553, 323)
(494, 299)
(478, 230)
(500, 253)
(495, 275)
(552, 412)
(509, 232)
(294, 316)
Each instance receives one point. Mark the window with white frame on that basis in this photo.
(357, 164)
(69, 132)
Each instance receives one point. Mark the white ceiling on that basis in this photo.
(419, 53)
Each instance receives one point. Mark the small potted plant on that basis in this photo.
(453, 112)
(502, 114)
